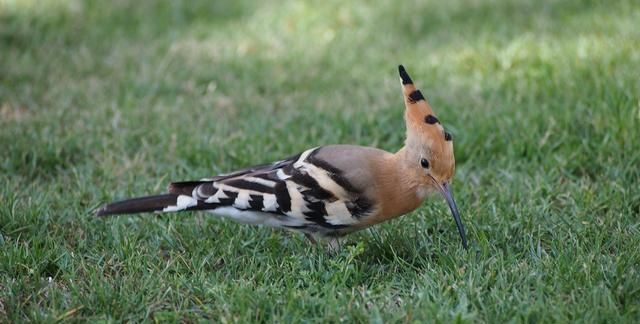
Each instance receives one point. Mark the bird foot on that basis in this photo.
(333, 244)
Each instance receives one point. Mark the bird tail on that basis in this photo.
(139, 205)
(179, 198)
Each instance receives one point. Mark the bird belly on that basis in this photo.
(251, 217)
(255, 217)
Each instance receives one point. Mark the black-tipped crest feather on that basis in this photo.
(404, 75)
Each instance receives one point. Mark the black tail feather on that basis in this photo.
(139, 205)
(184, 187)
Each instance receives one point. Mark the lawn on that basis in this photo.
(103, 100)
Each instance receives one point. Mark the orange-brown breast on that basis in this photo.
(395, 189)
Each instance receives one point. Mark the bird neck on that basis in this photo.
(399, 184)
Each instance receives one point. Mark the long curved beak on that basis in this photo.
(448, 196)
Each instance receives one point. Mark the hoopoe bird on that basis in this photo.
(326, 191)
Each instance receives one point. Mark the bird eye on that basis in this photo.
(424, 163)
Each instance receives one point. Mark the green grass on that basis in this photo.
(103, 100)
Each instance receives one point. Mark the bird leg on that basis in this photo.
(311, 238)
(333, 246)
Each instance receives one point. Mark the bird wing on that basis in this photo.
(304, 192)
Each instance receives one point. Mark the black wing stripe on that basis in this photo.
(282, 197)
(359, 207)
(266, 176)
(334, 173)
(230, 199)
(248, 185)
(256, 202)
(314, 188)
(286, 161)
(259, 169)
(317, 214)
(206, 190)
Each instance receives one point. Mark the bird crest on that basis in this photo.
(426, 137)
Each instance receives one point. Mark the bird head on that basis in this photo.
(428, 147)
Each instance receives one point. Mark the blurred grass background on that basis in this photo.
(102, 100)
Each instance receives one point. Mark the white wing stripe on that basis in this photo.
(183, 202)
(269, 203)
(338, 214)
(298, 206)
(324, 180)
(281, 175)
(242, 201)
(264, 182)
(216, 198)
(303, 157)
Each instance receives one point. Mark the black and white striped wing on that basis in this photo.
(302, 192)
